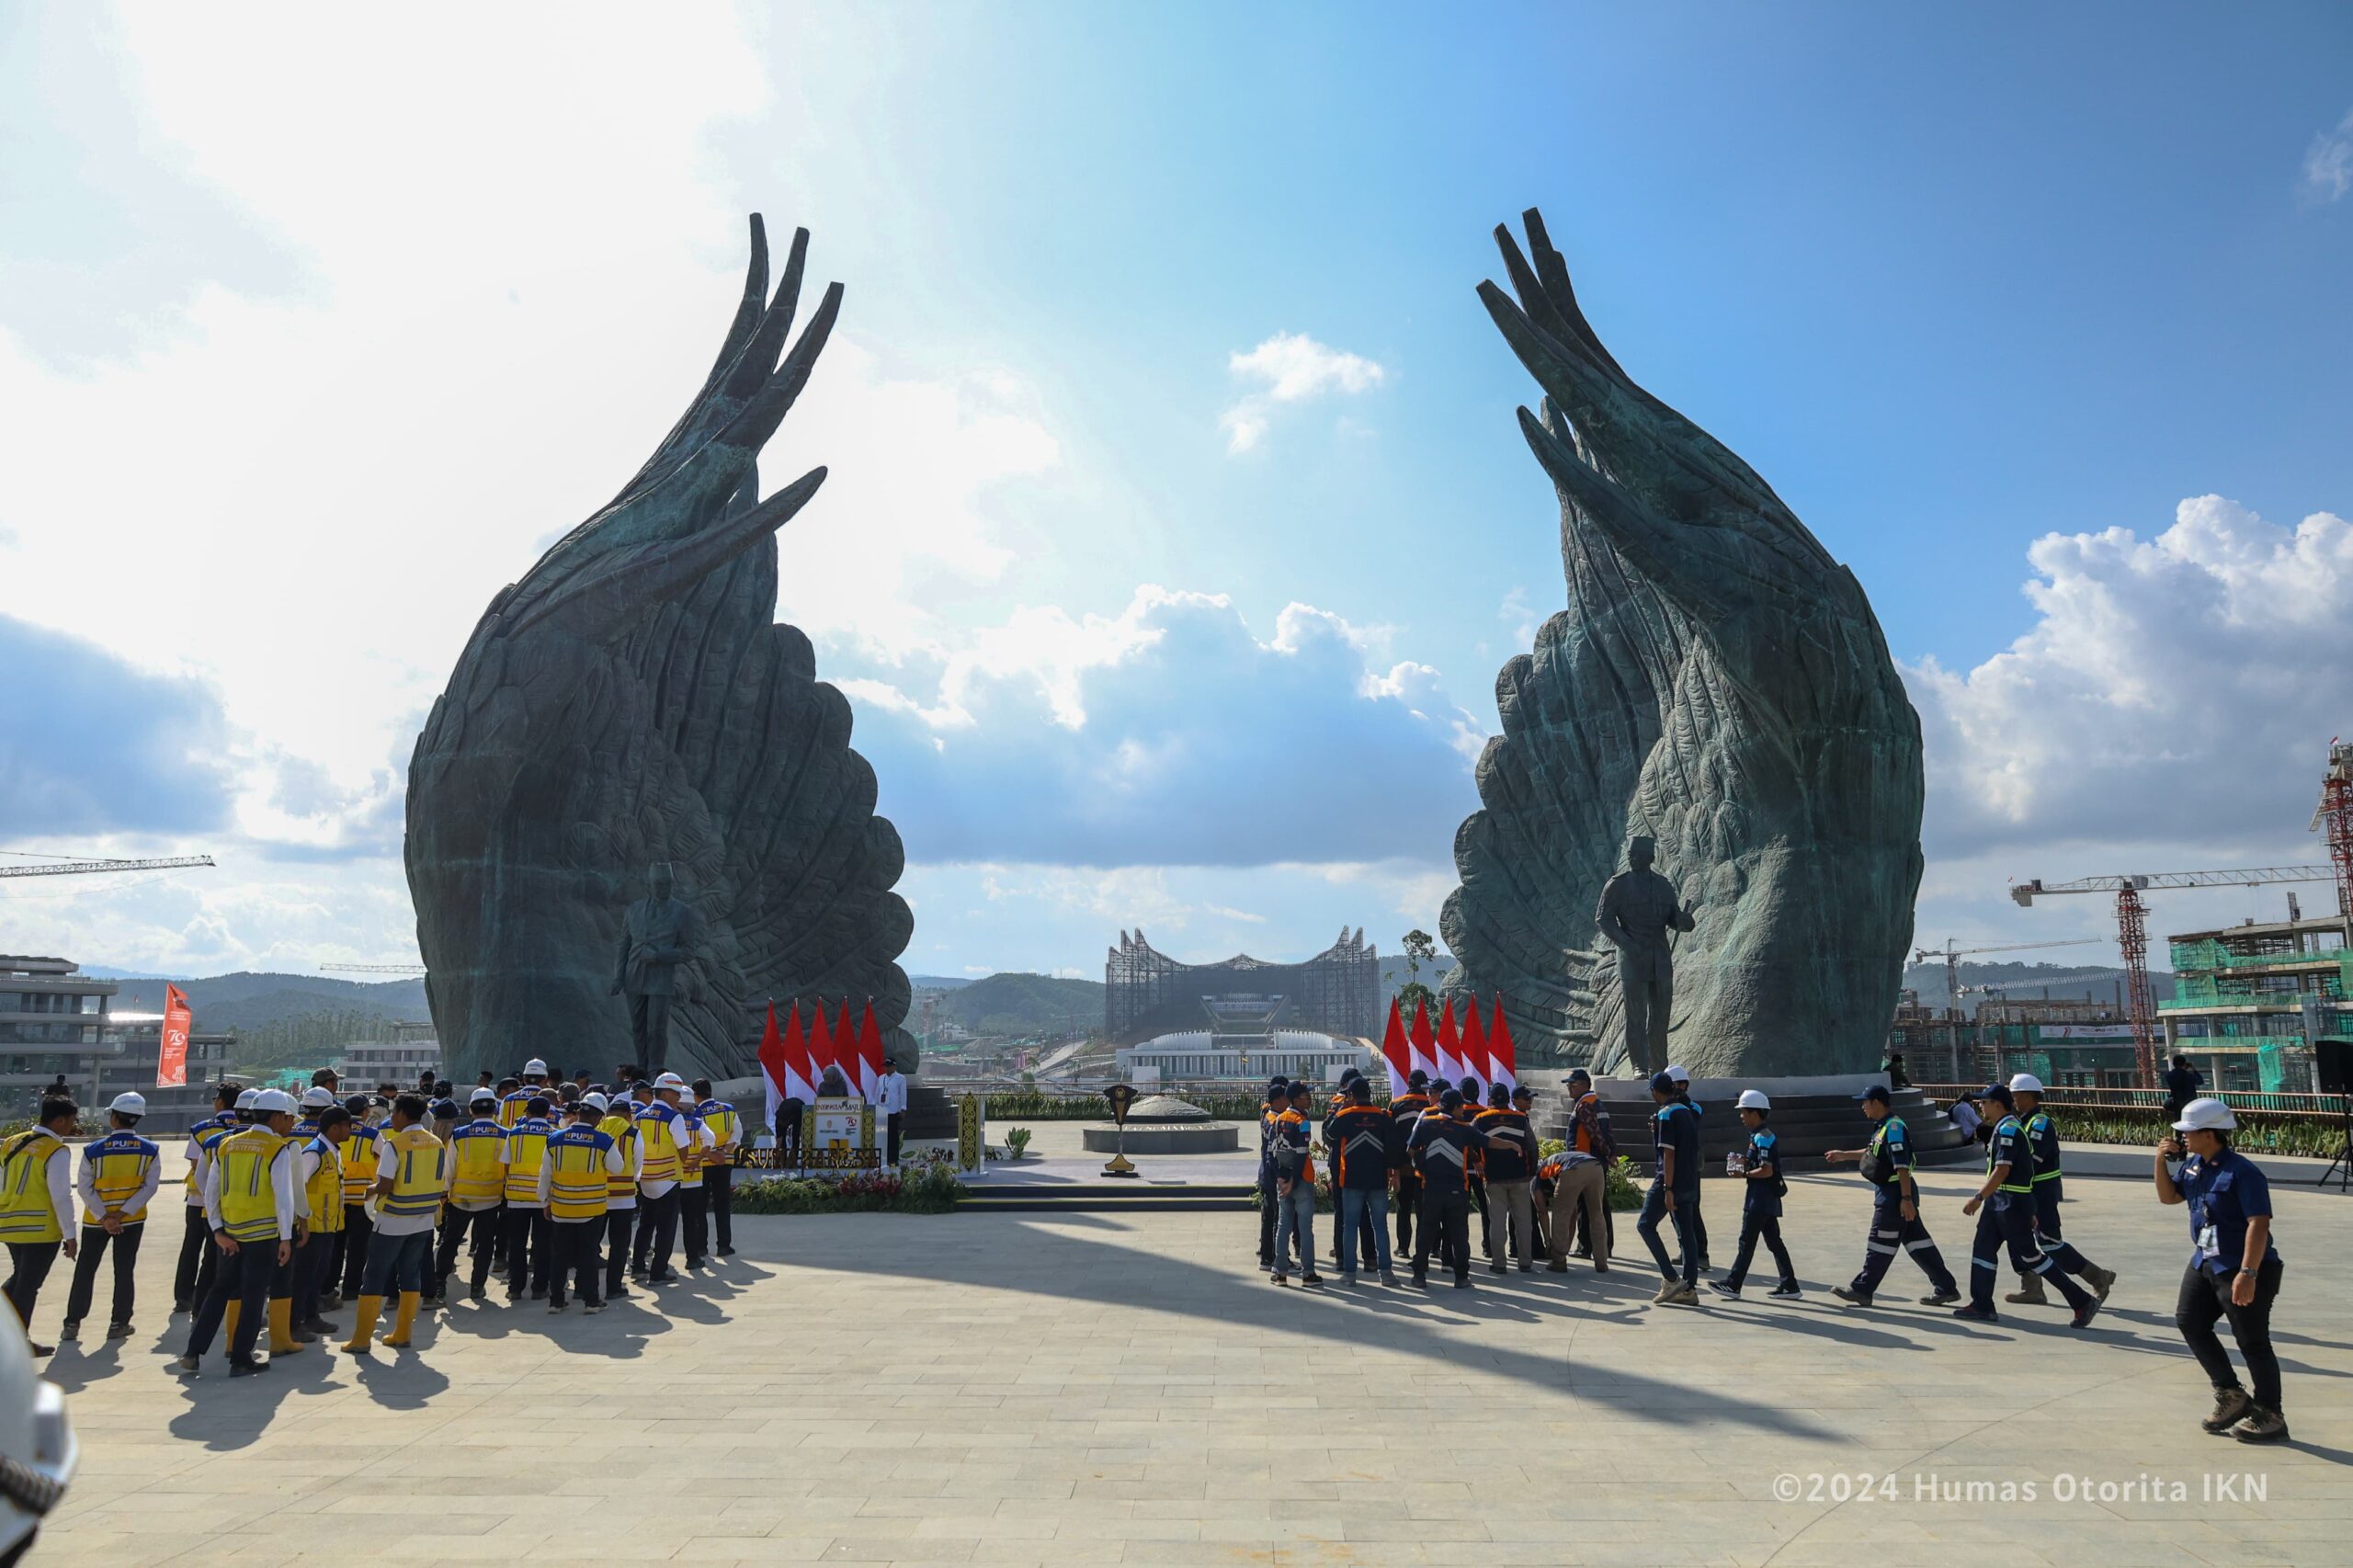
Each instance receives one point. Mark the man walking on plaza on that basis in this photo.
(119, 1173)
(1675, 1192)
(2006, 1209)
(2042, 1139)
(1363, 1141)
(1886, 1164)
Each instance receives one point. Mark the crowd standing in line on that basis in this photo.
(295, 1206)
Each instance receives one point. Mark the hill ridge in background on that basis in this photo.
(2031, 982)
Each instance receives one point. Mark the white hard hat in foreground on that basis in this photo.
(2206, 1114)
(131, 1103)
(2024, 1084)
(1755, 1099)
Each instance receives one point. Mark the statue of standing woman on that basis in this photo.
(1637, 912)
(660, 940)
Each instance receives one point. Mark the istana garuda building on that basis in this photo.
(1148, 993)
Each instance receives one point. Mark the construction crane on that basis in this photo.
(2132, 931)
(371, 968)
(2334, 813)
(1952, 957)
(82, 867)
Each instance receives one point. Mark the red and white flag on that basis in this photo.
(1425, 1045)
(1449, 1048)
(1397, 1051)
(821, 1051)
(1475, 1048)
(870, 1051)
(846, 1054)
(1500, 1050)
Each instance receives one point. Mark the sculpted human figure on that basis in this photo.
(659, 936)
(1638, 909)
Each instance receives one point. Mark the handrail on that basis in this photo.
(2249, 1102)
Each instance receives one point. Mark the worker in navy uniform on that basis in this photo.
(1294, 1159)
(1476, 1184)
(1278, 1101)
(1341, 1099)
(1886, 1164)
(1675, 1192)
(1362, 1138)
(1442, 1147)
(1406, 1110)
(2008, 1217)
(1539, 1200)
(119, 1173)
(1510, 1161)
(1760, 1208)
(1682, 1076)
(2042, 1139)
(2234, 1267)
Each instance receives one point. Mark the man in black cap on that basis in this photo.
(1674, 1192)
(1406, 1110)
(1276, 1102)
(1442, 1146)
(1886, 1164)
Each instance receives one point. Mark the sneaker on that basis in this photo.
(1348, 1279)
(318, 1327)
(1495, 1268)
(1729, 1292)
(1785, 1288)
(2231, 1406)
(2084, 1313)
(1685, 1295)
(1975, 1314)
(1388, 1277)
(1666, 1288)
(186, 1365)
(1528, 1269)
(118, 1331)
(1462, 1281)
(2262, 1425)
(1559, 1265)
(727, 1252)
(39, 1349)
(1280, 1278)
(70, 1332)
(1311, 1278)
(247, 1368)
(2100, 1279)
(1943, 1298)
(1851, 1296)
(330, 1300)
(593, 1307)
(555, 1303)
(1421, 1279)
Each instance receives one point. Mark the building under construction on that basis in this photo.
(2068, 1041)
(2249, 1000)
(1148, 993)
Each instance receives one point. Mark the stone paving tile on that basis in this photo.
(1049, 1391)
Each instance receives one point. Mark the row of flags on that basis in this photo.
(1482, 1050)
(793, 1060)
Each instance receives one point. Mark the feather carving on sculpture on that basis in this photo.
(631, 700)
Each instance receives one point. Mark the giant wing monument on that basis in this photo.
(1718, 684)
(632, 704)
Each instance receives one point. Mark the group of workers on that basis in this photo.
(294, 1206)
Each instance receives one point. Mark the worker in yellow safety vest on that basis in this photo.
(523, 1236)
(192, 1277)
(576, 1181)
(36, 1205)
(477, 1195)
(663, 1127)
(357, 1157)
(119, 1173)
(411, 1178)
(621, 1193)
(254, 1206)
(718, 1171)
(319, 1167)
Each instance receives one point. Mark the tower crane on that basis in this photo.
(82, 867)
(1952, 957)
(2132, 931)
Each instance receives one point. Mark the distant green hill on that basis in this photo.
(1025, 1003)
(249, 1001)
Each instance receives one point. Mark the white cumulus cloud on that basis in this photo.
(1290, 367)
(2328, 163)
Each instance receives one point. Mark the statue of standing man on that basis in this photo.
(1638, 910)
(659, 936)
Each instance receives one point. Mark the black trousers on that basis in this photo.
(788, 1135)
(523, 1244)
(1409, 1199)
(1890, 1232)
(1756, 1227)
(1446, 1225)
(2205, 1301)
(2007, 1218)
(192, 1275)
(1478, 1190)
(351, 1252)
(245, 1277)
(2047, 1199)
(313, 1262)
(1686, 1216)
(617, 1223)
(719, 1190)
(657, 1233)
(576, 1260)
(891, 1138)
(456, 1225)
(694, 1215)
(28, 1265)
(94, 1246)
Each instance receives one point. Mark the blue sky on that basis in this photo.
(1178, 521)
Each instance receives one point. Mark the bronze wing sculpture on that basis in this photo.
(630, 701)
(1718, 682)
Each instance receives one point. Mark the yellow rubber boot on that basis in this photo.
(281, 1327)
(404, 1320)
(229, 1321)
(363, 1326)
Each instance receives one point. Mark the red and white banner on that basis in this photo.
(870, 1051)
(1397, 1051)
(821, 1050)
(846, 1054)
(1449, 1053)
(1500, 1050)
(171, 1061)
(1425, 1045)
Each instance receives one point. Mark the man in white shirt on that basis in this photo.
(192, 1279)
(120, 1172)
(891, 1105)
(36, 1205)
(247, 1269)
(661, 1125)
(576, 1259)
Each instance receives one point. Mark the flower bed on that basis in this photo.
(926, 1187)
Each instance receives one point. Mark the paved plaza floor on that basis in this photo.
(1089, 1389)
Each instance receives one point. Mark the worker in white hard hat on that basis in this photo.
(119, 1173)
(36, 1205)
(1759, 1164)
(665, 1137)
(2042, 1142)
(2234, 1267)
(192, 1277)
(251, 1197)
